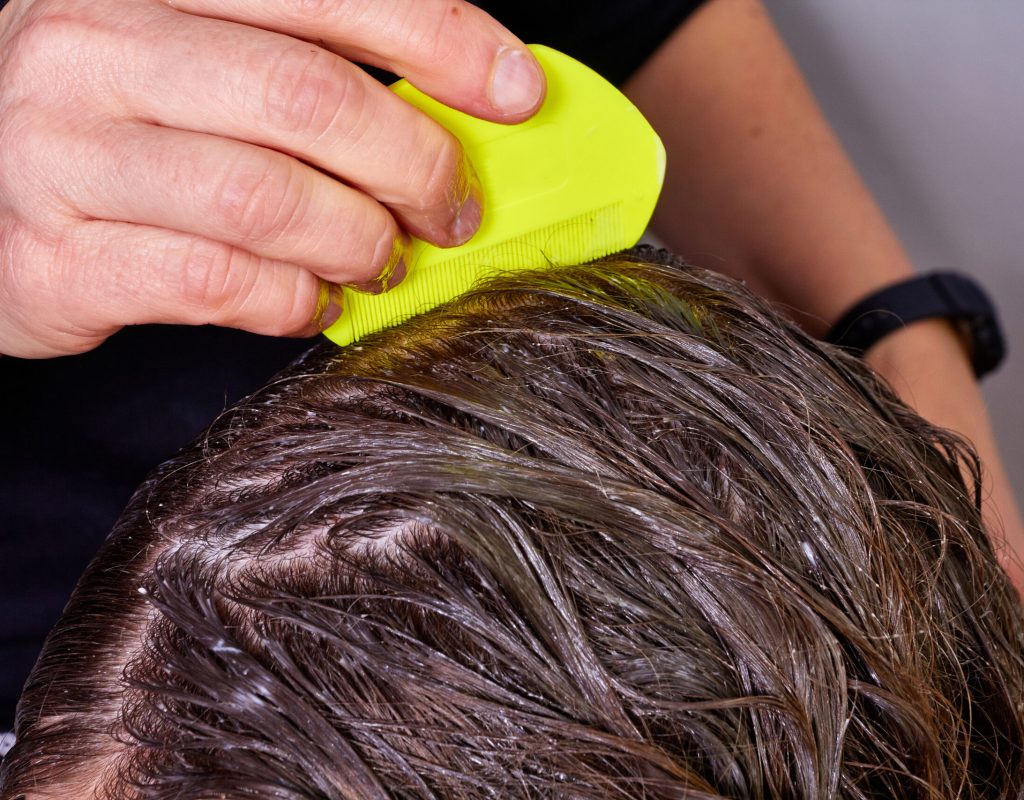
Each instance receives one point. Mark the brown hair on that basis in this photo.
(595, 532)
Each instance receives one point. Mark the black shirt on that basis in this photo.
(79, 433)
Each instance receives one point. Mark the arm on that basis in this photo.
(758, 186)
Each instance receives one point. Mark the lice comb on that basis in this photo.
(577, 181)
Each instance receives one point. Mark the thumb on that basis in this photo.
(450, 49)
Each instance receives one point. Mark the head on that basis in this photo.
(596, 532)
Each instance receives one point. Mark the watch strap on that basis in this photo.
(939, 294)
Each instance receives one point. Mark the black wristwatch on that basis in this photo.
(940, 294)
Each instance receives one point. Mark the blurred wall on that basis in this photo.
(928, 98)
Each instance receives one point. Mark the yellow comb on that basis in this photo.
(577, 181)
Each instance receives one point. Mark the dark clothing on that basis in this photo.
(80, 433)
(612, 36)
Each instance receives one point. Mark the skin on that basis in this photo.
(224, 161)
(759, 187)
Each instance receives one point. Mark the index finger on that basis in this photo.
(450, 49)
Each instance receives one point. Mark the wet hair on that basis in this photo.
(610, 531)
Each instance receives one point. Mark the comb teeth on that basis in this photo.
(434, 280)
(578, 180)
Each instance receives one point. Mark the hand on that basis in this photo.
(224, 161)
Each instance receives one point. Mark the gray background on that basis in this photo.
(928, 98)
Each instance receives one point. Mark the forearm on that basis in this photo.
(757, 184)
(758, 187)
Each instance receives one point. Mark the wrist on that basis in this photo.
(938, 295)
(928, 366)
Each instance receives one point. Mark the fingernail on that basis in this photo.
(397, 274)
(329, 305)
(392, 274)
(468, 197)
(517, 83)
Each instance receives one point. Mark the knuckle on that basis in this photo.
(209, 276)
(43, 290)
(34, 169)
(437, 32)
(70, 274)
(306, 90)
(313, 9)
(47, 34)
(40, 29)
(257, 202)
(21, 275)
(222, 285)
(15, 136)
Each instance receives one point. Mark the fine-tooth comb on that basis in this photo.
(577, 181)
